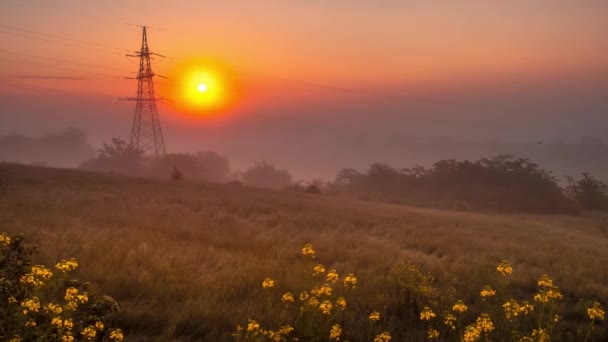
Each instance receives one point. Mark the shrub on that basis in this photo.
(40, 304)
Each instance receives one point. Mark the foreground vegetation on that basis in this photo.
(188, 260)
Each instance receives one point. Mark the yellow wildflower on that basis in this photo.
(449, 321)
(432, 334)
(314, 302)
(30, 305)
(253, 326)
(53, 308)
(427, 314)
(335, 332)
(323, 290)
(116, 335)
(332, 276)
(12, 300)
(325, 307)
(374, 316)
(30, 323)
(504, 268)
(268, 283)
(318, 269)
(68, 324)
(484, 323)
(287, 297)
(471, 333)
(286, 330)
(383, 337)
(459, 306)
(341, 303)
(56, 321)
(545, 281)
(37, 276)
(547, 293)
(525, 308)
(88, 332)
(67, 265)
(99, 325)
(304, 296)
(487, 291)
(307, 250)
(5, 239)
(541, 335)
(350, 281)
(596, 311)
(67, 338)
(511, 308)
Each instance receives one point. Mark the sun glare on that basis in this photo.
(205, 88)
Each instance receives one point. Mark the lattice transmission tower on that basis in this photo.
(146, 134)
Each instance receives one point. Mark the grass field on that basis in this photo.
(186, 260)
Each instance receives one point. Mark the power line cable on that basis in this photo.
(64, 38)
(65, 61)
(60, 43)
(58, 67)
(106, 18)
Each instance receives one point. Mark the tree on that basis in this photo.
(266, 175)
(116, 157)
(589, 192)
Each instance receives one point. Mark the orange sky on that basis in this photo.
(512, 69)
(358, 44)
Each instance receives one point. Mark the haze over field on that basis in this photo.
(321, 86)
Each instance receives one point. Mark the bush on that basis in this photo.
(39, 304)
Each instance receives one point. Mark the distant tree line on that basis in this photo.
(502, 183)
(62, 149)
(120, 157)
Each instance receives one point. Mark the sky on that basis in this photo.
(314, 81)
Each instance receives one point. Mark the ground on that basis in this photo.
(187, 259)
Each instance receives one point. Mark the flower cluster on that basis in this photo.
(487, 291)
(324, 303)
(41, 306)
(308, 251)
(513, 309)
(596, 312)
(383, 337)
(37, 276)
(427, 314)
(459, 307)
(268, 283)
(350, 281)
(5, 239)
(67, 265)
(547, 291)
(504, 268)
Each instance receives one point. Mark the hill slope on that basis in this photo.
(186, 260)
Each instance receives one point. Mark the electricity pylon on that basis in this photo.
(146, 134)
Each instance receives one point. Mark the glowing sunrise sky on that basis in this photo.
(384, 57)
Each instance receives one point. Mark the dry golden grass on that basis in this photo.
(186, 260)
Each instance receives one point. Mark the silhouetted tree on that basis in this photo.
(116, 157)
(589, 192)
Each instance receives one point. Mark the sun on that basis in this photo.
(202, 87)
